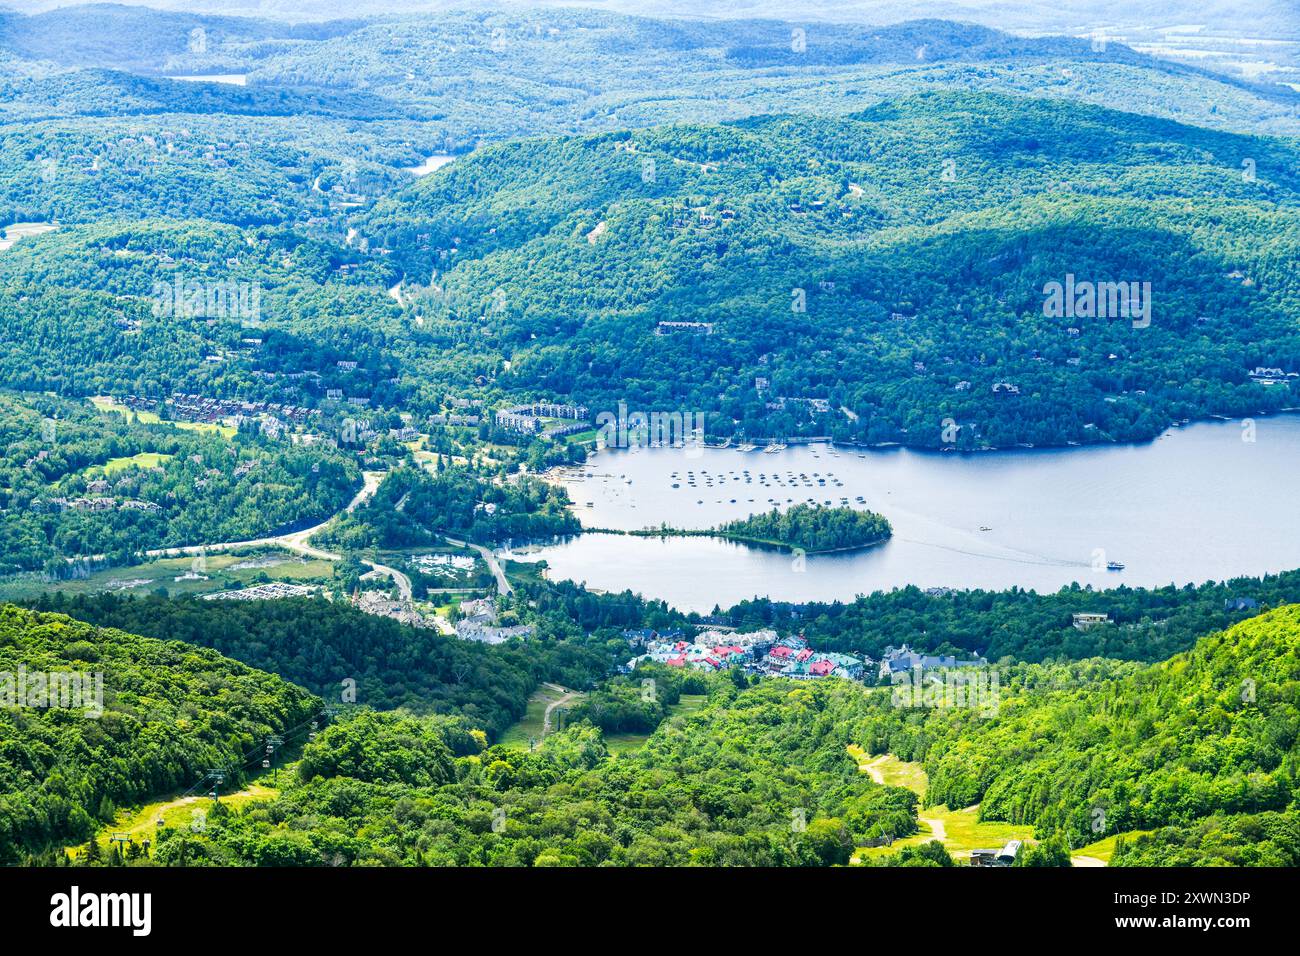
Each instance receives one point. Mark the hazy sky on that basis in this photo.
(1267, 18)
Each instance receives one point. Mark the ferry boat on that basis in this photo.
(1114, 566)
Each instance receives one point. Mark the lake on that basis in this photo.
(430, 164)
(1197, 504)
(227, 79)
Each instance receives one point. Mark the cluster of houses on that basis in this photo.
(1272, 376)
(813, 406)
(97, 503)
(532, 419)
(197, 408)
(479, 623)
(903, 660)
(759, 653)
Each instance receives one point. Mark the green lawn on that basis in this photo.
(146, 459)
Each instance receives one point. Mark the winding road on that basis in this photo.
(296, 541)
(503, 585)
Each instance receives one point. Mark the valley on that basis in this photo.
(527, 436)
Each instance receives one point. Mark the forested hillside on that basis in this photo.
(1204, 743)
(1207, 741)
(894, 265)
(335, 650)
(79, 483)
(170, 712)
(760, 777)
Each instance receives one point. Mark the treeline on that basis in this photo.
(171, 711)
(349, 657)
(1146, 624)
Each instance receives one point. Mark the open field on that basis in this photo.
(146, 459)
(960, 831)
(20, 230)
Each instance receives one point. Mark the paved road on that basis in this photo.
(503, 585)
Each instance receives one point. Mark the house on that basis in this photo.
(1083, 622)
(902, 659)
(1241, 604)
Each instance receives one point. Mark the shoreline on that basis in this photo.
(757, 543)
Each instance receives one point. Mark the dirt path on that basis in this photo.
(546, 717)
(1086, 861)
(937, 829)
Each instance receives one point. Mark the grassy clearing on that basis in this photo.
(176, 812)
(624, 743)
(20, 230)
(960, 831)
(223, 572)
(146, 459)
(530, 728)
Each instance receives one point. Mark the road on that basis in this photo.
(503, 586)
(298, 541)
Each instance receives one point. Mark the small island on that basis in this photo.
(809, 528)
(813, 529)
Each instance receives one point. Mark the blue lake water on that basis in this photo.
(1197, 504)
